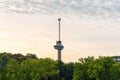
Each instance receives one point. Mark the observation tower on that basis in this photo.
(59, 45)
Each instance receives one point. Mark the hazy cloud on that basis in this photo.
(103, 8)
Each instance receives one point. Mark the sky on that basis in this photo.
(88, 27)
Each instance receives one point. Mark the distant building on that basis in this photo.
(116, 58)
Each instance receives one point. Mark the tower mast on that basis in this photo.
(59, 19)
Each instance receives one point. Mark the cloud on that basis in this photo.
(97, 8)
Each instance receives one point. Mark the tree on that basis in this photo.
(19, 57)
(39, 69)
(32, 56)
(4, 57)
(81, 69)
(13, 69)
(68, 71)
(29, 67)
(115, 71)
(102, 68)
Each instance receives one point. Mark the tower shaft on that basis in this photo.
(59, 55)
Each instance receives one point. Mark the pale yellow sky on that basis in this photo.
(38, 33)
(83, 33)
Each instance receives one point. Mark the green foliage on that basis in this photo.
(102, 68)
(32, 56)
(4, 57)
(68, 71)
(104, 64)
(32, 69)
(12, 70)
(29, 67)
(39, 69)
(81, 68)
(19, 57)
(115, 72)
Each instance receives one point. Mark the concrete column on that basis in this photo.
(59, 55)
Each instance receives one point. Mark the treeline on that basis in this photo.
(30, 67)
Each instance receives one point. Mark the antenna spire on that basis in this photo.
(59, 19)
